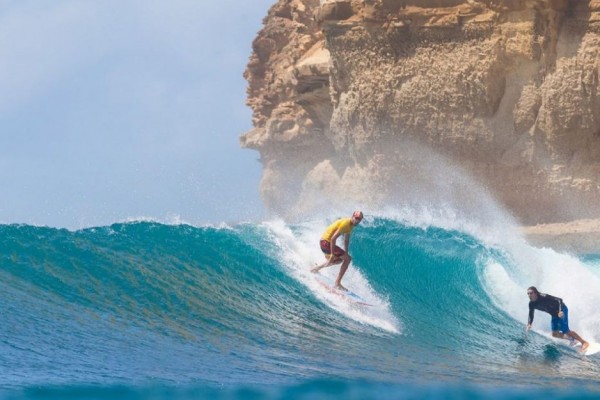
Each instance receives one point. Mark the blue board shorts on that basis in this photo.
(561, 324)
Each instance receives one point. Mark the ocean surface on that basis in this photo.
(147, 310)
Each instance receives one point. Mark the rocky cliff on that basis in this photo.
(368, 101)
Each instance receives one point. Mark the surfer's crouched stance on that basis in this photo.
(559, 312)
(333, 253)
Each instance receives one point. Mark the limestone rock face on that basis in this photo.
(371, 101)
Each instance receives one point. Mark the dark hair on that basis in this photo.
(534, 289)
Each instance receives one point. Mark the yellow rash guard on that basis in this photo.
(343, 224)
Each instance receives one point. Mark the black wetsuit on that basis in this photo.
(550, 304)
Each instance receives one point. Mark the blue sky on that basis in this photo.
(112, 110)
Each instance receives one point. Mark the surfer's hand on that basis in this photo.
(528, 327)
(561, 314)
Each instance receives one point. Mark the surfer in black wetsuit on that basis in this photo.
(559, 312)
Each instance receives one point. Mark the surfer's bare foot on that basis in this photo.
(584, 346)
(340, 287)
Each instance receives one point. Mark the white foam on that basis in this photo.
(489, 228)
(177, 220)
(299, 251)
(169, 219)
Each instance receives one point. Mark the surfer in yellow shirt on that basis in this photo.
(333, 253)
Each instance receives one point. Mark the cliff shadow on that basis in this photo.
(575, 25)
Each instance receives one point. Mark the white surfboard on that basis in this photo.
(347, 295)
(592, 349)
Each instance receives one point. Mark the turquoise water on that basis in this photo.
(148, 310)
